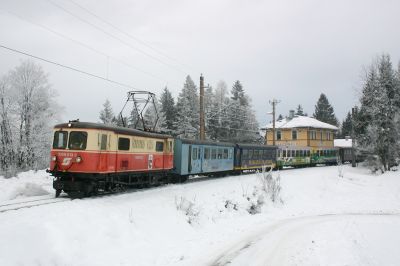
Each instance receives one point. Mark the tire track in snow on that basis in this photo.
(273, 236)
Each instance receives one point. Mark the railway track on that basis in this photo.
(29, 203)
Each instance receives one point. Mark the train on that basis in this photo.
(89, 158)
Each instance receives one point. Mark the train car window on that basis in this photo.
(220, 153)
(194, 154)
(77, 140)
(159, 146)
(250, 154)
(60, 139)
(225, 153)
(245, 154)
(214, 154)
(123, 144)
(103, 142)
(256, 154)
(198, 154)
(206, 153)
(230, 156)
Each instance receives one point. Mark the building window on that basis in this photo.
(321, 134)
(278, 135)
(313, 134)
(294, 134)
(328, 135)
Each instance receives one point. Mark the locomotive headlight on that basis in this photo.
(69, 124)
(78, 159)
(54, 158)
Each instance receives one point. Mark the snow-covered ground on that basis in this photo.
(322, 219)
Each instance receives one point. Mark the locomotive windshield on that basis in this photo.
(60, 140)
(77, 140)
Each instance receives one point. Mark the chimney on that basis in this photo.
(291, 114)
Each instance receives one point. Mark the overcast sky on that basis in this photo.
(288, 50)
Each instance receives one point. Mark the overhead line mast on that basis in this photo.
(274, 102)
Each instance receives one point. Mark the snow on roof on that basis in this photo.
(342, 143)
(300, 121)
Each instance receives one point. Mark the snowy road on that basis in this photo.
(353, 237)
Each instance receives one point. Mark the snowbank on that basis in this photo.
(26, 184)
(194, 223)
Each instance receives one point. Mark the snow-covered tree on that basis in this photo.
(168, 110)
(7, 151)
(187, 122)
(154, 119)
(106, 114)
(36, 112)
(346, 126)
(299, 110)
(375, 123)
(238, 94)
(324, 111)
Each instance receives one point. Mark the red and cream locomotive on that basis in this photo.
(89, 157)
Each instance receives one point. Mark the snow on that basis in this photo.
(300, 121)
(342, 143)
(323, 219)
(26, 184)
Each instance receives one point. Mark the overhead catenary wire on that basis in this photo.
(107, 56)
(67, 67)
(127, 34)
(114, 37)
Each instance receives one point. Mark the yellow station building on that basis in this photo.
(301, 132)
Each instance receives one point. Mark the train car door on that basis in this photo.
(103, 140)
(195, 159)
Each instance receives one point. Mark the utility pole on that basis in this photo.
(202, 122)
(274, 102)
(353, 141)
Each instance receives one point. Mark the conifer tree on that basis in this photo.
(299, 110)
(346, 126)
(106, 114)
(238, 93)
(168, 109)
(377, 131)
(187, 122)
(324, 111)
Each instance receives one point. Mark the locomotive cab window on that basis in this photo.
(123, 144)
(60, 140)
(77, 140)
(159, 146)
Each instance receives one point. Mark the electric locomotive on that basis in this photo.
(91, 157)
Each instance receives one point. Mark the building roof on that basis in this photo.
(300, 121)
(342, 143)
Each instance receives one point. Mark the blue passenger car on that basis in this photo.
(193, 157)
